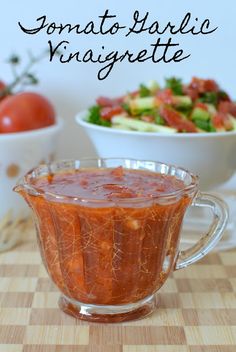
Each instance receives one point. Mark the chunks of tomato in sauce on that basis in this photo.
(116, 253)
(105, 184)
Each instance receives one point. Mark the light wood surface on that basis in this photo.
(196, 310)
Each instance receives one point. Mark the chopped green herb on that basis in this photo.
(175, 84)
(155, 113)
(186, 110)
(125, 106)
(144, 91)
(209, 98)
(159, 120)
(95, 118)
(205, 125)
(222, 95)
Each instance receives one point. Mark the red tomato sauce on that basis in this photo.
(105, 184)
(116, 253)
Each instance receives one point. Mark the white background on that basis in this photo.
(73, 86)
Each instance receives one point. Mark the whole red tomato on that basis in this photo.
(25, 111)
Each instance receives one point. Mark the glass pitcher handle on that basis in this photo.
(209, 240)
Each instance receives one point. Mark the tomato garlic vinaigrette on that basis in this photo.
(109, 234)
(108, 184)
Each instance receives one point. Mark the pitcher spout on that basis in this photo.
(23, 188)
(20, 187)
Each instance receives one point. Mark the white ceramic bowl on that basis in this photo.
(212, 156)
(19, 152)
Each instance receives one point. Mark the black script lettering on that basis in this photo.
(51, 28)
(184, 24)
(104, 72)
(88, 56)
(141, 57)
(206, 24)
(57, 50)
(154, 28)
(113, 29)
(89, 28)
(138, 21)
(69, 28)
(37, 29)
(176, 57)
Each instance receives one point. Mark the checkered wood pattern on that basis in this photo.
(197, 311)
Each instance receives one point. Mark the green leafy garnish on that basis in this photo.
(222, 95)
(125, 106)
(205, 125)
(144, 91)
(186, 110)
(155, 114)
(95, 117)
(159, 120)
(209, 98)
(175, 84)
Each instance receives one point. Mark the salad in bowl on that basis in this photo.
(200, 106)
(191, 125)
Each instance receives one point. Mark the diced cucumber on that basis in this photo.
(200, 114)
(211, 109)
(121, 127)
(182, 101)
(140, 104)
(141, 126)
(153, 86)
(233, 121)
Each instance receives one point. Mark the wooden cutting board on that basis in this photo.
(196, 311)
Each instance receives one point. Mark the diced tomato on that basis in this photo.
(134, 94)
(201, 106)
(210, 86)
(204, 85)
(198, 86)
(108, 112)
(83, 182)
(174, 119)
(108, 102)
(221, 121)
(118, 191)
(227, 107)
(191, 92)
(118, 172)
(164, 97)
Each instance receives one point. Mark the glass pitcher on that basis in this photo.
(108, 258)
